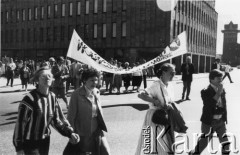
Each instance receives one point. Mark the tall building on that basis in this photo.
(127, 30)
(231, 49)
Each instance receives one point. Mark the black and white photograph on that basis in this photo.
(120, 77)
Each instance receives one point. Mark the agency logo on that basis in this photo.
(157, 139)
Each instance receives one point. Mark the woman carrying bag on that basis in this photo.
(85, 115)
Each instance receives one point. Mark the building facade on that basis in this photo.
(127, 30)
(231, 49)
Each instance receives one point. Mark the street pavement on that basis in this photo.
(124, 115)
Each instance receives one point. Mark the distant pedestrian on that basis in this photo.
(24, 75)
(227, 70)
(38, 109)
(216, 64)
(2, 69)
(10, 71)
(187, 70)
(60, 73)
(214, 114)
(137, 78)
(126, 77)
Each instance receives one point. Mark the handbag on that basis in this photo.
(71, 149)
(160, 116)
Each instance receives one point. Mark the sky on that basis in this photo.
(228, 10)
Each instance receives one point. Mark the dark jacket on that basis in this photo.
(210, 105)
(185, 76)
(215, 66)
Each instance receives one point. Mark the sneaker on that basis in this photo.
(187, 98)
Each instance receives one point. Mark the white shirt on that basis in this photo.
(227, 68)
(158, 88)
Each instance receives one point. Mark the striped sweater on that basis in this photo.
(36, 112)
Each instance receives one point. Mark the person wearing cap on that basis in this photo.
(60, 73)
(37, 111)
(214, 114)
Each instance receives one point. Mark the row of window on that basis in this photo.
(39, 12)
(194, 36)
(31, 34)
(190, 10)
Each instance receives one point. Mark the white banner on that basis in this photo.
(78, 50)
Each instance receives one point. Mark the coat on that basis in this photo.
(185, 76)
(80, 112)
(210, 104)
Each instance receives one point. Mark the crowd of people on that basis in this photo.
(71, 73)
(85, 125)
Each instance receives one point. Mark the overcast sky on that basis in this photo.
(228, 10)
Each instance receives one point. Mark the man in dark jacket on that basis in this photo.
(187, 70)
(214, 114)
(216, 64)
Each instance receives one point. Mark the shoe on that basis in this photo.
(231, 82)
(182, 98)
(187, 98)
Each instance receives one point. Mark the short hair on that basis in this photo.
(37, 74)
(215, 73)
(164, 68)
(88, 73)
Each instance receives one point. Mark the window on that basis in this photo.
(78, 8)
(54, 33)
(62, 32)
(104, 5)
(114, 5)
(6, 36)
(124, 5)
(29, 35)
(42, 12)
(104, 31)
(35, 13)
(41, 34)
(11, 35)
(55, 10)
(2, 16)
(18, 15)
(70, 9)
(63, 10)
(23, 15)
(48, 33)
(95, 31)
(124, 31)
(48, 11)
(95, 5)
(70, 31)
(17, 36)
(86, 29)
(12, 15)
(114, 30)
(2, 36)
(87, 6)
(34, 34)
(29, 14)
(23, 35)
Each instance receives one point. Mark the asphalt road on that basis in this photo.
(124, 116)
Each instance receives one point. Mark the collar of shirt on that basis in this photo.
(88, 91)
(214, 87)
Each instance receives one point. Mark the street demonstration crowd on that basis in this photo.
(85, 125)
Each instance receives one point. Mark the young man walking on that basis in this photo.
(214, 114)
